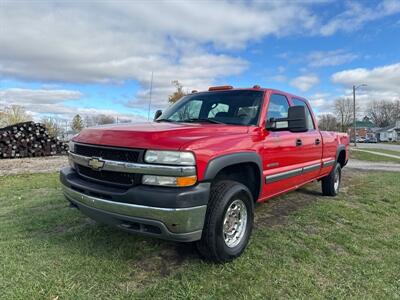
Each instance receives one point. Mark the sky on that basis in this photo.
(60, 58)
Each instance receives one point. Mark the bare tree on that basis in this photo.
(52, 127)
(384, 112)
(328, 122)
(103, 119)
(344, 112)
(100, 119)
(13, 114)
(178, 94)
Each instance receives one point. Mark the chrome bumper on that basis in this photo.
(180, 224)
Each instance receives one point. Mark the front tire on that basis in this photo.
(228, 223)
(331, 183)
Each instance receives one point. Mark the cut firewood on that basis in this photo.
(29, 139)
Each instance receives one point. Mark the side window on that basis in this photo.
(278, 107)
(218, 108)
(310, 122)
(191, 110)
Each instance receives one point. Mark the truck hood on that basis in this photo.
(154, 135)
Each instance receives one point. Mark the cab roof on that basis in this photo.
(255, 87)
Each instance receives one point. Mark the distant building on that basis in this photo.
(364, 129)
(389, 134)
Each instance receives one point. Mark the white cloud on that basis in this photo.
(383, 79)
(330, 58)
(357, 14)
(305, 82)
(321, 103)
(279, 78)
(111, 42)
(383, 83)
(115, 41)
(39, 96)
(47, 102)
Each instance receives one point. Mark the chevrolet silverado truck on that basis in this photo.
(195, 173)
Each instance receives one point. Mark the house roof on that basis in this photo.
(365, 124)
(387, 128)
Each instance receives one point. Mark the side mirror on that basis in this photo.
(157, 114)
(295, 122)
(297, 119)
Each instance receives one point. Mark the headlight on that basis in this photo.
(71, 146)
(169, 181)
(170, 158)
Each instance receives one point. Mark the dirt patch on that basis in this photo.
(275, 212)
(160, 264)
(46, 164)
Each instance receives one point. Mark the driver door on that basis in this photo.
(280, 154)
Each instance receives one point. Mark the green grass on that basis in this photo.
(366, 156)
(303, 246)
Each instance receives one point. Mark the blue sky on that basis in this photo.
(58, 59)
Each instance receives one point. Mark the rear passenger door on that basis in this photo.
(311, 146)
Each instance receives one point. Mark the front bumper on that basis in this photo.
(173, 214)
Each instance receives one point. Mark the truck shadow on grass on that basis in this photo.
(146, 259)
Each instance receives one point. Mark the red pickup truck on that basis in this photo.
(196, 171)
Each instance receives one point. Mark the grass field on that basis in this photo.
(303, 246)
(362, 155)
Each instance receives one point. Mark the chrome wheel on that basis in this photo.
(235, 222)
(336, 181)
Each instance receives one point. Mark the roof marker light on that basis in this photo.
(220, 88)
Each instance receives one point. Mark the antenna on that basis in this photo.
(151, 90)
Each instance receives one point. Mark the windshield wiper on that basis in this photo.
(202, 120)
(165, 120)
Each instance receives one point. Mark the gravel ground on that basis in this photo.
(385, 146)
(373, 166)
(32, 165)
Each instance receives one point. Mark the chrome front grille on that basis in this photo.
(114, 165)
(110, 153)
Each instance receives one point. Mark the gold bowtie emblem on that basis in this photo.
(96, 163)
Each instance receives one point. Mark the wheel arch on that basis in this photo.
(244, 167)
(341, 155)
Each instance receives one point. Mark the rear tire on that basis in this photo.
(331, 183)
(228, 223)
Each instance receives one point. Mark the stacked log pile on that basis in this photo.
(29, 139)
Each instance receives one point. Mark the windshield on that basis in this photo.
(229, 107)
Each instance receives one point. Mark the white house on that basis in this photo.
(389, 133)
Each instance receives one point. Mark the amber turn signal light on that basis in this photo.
(186, 181)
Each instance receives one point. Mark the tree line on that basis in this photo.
(14, 114)
(381, 113)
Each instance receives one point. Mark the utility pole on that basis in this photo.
(151, 90)
(354, 114)
(354, 110)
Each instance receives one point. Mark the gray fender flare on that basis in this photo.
(339, 149)
(217, 164)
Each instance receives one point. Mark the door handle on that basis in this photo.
(299, 142)
(317, 141)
